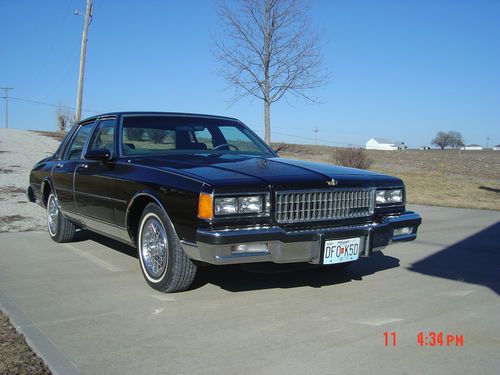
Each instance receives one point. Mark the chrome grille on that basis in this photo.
(319, 205)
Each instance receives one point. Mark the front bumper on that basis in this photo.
(276, 245)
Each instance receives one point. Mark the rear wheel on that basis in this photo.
(60, 228)
(164, 264)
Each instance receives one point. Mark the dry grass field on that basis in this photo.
(469, 179)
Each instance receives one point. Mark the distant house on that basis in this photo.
(401, 145)
(496, 148)
(380, 144)
(472, 147)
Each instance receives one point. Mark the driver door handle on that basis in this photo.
(83, 166)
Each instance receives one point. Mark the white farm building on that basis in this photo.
(472, 147)
(380, 144)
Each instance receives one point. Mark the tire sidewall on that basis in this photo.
(153, 210)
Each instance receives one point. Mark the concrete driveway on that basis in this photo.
(85, 308)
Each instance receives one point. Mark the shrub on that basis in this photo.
(352, 157)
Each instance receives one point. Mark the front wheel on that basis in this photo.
(60, 228)
(164, 264)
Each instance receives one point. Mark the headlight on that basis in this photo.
(390, 196)
(250, 204)
(225, 206)
(253, 204)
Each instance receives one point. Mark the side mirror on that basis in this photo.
(102, 154)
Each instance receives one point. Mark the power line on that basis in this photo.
(54, 39)
(312, 139)
(332, 143)
(61, 76)
(6, 97)
(51, 104)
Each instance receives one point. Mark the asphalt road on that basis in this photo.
(86, 308)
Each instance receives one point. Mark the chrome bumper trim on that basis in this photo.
(214, 247)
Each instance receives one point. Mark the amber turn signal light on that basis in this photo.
(205, 206)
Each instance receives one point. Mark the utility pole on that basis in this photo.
(6, 97)
(488, 142)
(316, 135)
(88, 20)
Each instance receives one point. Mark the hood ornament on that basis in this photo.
(332, 182)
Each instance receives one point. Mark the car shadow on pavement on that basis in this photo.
(237, 278)
(474, 260)
(86, 235)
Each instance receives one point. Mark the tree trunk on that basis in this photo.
(267, 121)
(267, 81)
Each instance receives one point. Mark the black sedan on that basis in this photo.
(192, 189)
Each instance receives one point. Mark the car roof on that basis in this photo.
(177, 114)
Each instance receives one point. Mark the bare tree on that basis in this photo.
(64, 118)
(270, 49)
(452, 139)
(456, 139)
(441, 139)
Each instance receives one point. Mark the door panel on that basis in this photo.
(62, 179)
(95, 191)
(63, 172)
(95, 183)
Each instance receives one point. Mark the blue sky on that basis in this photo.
(399, 69)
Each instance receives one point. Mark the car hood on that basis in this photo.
(237, 170)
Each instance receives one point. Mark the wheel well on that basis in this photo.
(134, 214)
(46, 192)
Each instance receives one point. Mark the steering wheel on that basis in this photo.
(226, 144)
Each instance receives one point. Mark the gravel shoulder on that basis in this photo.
(19, 151)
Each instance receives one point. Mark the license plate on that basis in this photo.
(340, 251)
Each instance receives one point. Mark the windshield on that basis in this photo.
(187, 135)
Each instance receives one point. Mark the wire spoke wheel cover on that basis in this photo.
(164, 264)
(153, 247)
(52, 215)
